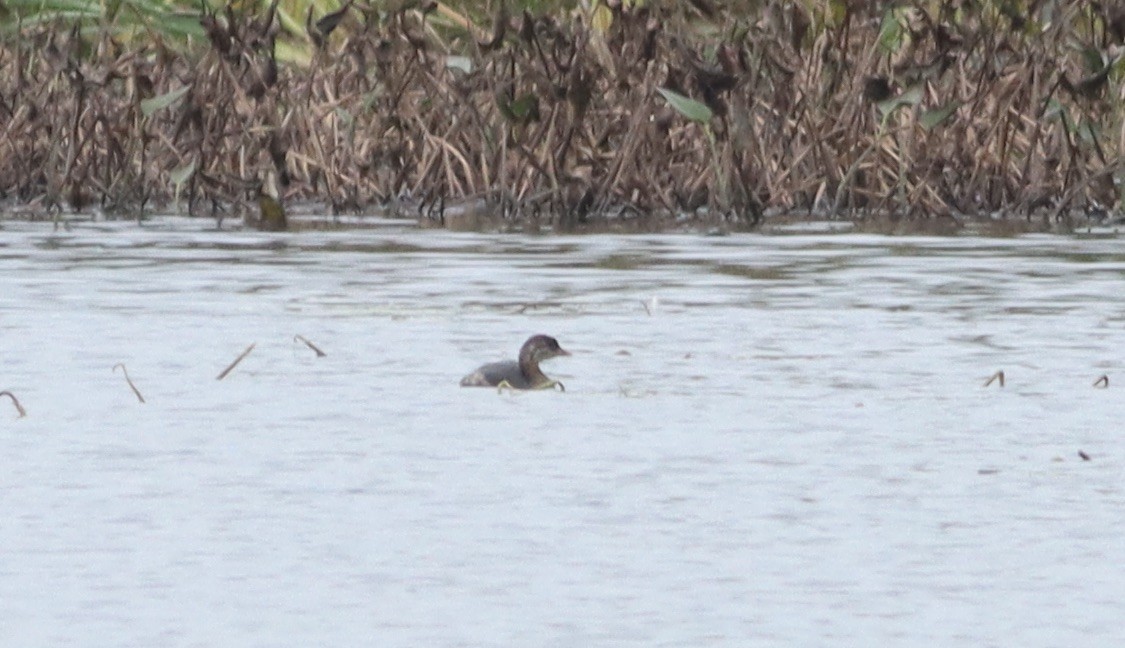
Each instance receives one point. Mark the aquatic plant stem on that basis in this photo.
(15, 401)
(315, 348)
(236, 361)
(129, 381)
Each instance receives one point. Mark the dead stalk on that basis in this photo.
(316, 349)
(15, 401)
(380, 113)
(996, 377)
(236, 361)
(136, 392)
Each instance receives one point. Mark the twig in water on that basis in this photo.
(999, 375)
(301, 338)
(136, 392)
(647, 309)
(236, 361)
(1083, 455)
(15, 401)
(1102, 382)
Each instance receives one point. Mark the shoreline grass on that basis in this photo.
(654, 116)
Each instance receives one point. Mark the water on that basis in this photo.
(764, 440)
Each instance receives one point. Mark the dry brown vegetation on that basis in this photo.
(929, 111)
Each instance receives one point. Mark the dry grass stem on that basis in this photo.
(315, 348)
(15, 401)
(129, 381)
(236, 361)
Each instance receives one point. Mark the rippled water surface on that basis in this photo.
(764, 440)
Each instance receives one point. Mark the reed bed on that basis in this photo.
(641, 116)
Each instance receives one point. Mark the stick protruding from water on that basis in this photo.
(1102, 382)
(998, 376)
(125, 372)
(236, 361)
(15, 401)
(315, 348)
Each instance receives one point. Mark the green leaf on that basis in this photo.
(690, 108)
(1093, 60)
(344, 116)
(1056, 110)
(932, 118)
(523, 107)
(180, 176)
(1118, 65)
(1089, 132)
(836, 14)
(290, 53)
(463, 63)
(1053, 109)
(910, 97)
(890, 31)
(601, 19)
(149, 106)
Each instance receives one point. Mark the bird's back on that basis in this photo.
(492, 374)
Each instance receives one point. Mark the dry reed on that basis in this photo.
(20, 411)
(237, 360)
(997, 377)
(129, 381)
(309, 344)
(902, 114)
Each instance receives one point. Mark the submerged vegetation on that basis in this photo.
(617, 112)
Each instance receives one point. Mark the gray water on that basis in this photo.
(764, 440)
